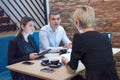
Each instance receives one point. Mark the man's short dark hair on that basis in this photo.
(54, 12)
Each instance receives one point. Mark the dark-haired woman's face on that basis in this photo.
(29, 27)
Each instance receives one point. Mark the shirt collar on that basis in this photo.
(52, 30)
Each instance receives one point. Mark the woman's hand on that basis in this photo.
(64, 60)
(33, 56)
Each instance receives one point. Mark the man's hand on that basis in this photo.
(68, 46)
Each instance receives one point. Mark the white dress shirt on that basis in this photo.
(50, 39)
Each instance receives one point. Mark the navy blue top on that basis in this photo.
(95, 51)
(19, 49)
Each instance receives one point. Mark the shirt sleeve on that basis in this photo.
(13, 53)
(76, 53)
(65, 39)
(44, 42)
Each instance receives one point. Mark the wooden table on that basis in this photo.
(59, 74)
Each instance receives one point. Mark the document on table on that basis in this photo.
(67, 55)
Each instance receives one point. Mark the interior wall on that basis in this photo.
(107, 16)
(17, 9)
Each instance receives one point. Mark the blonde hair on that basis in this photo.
(85, 15)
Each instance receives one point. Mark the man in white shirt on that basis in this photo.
(52, 34)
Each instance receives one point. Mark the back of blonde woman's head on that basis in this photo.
(85, 15)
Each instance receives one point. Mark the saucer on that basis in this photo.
(55, 66)
(45, 64)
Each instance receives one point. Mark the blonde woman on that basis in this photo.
(91, 47)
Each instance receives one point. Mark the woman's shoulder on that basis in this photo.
(13, 41)
(80, 35)
(16, 39)
(77, 35)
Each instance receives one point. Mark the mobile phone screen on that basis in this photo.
(48, 70)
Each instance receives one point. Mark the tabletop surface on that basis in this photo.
(59, 74)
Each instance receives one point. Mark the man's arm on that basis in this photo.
(66, 41)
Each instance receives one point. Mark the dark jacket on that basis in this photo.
(19, 50)
(95, 52)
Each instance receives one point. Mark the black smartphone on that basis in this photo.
(48, 70)
(43, 52)
(27, 63)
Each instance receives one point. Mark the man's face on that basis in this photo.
(55, 21)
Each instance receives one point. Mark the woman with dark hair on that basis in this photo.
(23, 47)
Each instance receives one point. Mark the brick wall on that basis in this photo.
(107, 16)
